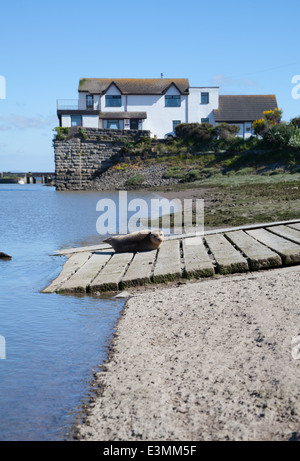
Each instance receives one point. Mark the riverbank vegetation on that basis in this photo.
(237, 188)
(187, 165)
(247, 199)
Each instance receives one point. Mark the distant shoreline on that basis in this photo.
(9, 181)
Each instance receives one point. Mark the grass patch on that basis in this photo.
(174, 173)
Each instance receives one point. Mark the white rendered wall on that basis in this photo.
(159, 118)
(196, 110)
(82, 101)
(241, 127)
(113, 90)
(248, 131)
(66, 120)
(90, 121)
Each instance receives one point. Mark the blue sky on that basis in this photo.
(45, 47)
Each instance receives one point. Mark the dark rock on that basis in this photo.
(295, 437)
(4, 256)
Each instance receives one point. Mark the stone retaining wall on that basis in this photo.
(81, 158)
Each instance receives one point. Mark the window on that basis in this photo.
(89, 101)
(113, 124)
(112, 101)
(172, 101)
(204, 98)
(175, 123)
(205, 120)
(76, 120)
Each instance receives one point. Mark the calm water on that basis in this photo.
(53, 342)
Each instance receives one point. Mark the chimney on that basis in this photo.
(161, 75)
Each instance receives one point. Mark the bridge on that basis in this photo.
(28, 178)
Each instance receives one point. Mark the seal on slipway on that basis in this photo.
(144, 240)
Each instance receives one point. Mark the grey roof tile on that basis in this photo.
(234, 108)
(133, 85)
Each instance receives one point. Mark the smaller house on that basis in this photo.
(243, 110)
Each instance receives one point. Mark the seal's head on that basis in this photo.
(157, 237)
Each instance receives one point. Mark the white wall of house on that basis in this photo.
(112, 91)
(241, 127)
(82, 101)
(246, 130)
(159, 117)
(90, 121)
(66, 120)
(198, 111)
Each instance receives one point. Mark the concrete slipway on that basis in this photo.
(223, 251)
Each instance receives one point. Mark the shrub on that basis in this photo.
(185, 130)
(278, 135)
(127, 147)
(146, 140)
(83, 133)
(295, 121)
(211, 171)
(196, 132)
(294, 140)
(61, 133)
(226, 131)
(260, 127)
(234, 144)
(277, 171)
(246, 171)
(192, 175)
(273, 116)
(173, 173)
(136, 180)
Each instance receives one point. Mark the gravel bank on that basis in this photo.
(114, 179)
(210, 360)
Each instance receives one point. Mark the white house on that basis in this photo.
(157, 105)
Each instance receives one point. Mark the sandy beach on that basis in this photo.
(213, 359)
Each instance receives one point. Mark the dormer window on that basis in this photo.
(172, 100)
(90, 101)
(113, 101)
